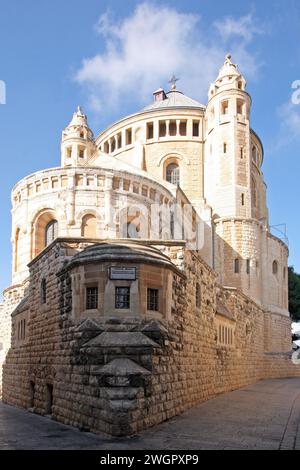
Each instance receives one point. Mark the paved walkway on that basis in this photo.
(261, 416)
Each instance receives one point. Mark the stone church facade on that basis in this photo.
(145, 275)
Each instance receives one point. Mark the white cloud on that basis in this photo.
(289, 114)
(244, 27)
(144, 49)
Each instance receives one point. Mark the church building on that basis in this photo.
(146, 278)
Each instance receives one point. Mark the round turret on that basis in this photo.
(77, 144)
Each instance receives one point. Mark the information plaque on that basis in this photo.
(122, 274)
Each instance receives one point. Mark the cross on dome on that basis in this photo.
(173, 81)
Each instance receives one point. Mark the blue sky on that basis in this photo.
(109, 56)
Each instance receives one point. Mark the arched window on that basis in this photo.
(51, 232)
(198, 295)
(173, 174)
(89, 226)
(275, 267)
(43, 291)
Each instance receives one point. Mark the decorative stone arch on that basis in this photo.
(182, 159)
(88, 221)
(79, 216)
(38, 232)
(173, 159)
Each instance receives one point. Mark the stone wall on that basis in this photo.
(12, 297)
(121, 374)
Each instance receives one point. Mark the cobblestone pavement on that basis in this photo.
(261, 416)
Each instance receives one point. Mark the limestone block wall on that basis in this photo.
(276, 275)
(12, 297)
(239, 239)
(121, 374)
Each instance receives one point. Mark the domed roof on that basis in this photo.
(175, 99)
(127, 251)
(79, 118)
(228, 69)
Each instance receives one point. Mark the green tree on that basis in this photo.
(294, 294)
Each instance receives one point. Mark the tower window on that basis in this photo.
(152, 299)
(122, 298)
(43, 291)
(162, 129)
(240, 85)
(236, 266)
(198, 295)
(275, 267)
(240, 107)
(182, 128)
(150, 130)
(113, 145)
(172, 128)
(91, 298)
(224, 107)
(195, 128)
(81, 135)
(243, 199)
(248, 266)
(69, 152)
(119, 140)
(81, 153)
(242, 152)
(51, 232)
(173, 174)
(106, 147)
(224, 148)
(128, 137)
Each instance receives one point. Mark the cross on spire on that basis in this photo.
(173, 81)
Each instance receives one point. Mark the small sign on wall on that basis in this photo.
(122, 274)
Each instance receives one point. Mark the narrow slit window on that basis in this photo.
(198, 295)
(248, 266)
(43, 292)
(236, 266)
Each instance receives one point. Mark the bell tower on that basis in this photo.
(77, 144)
(227, 150)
